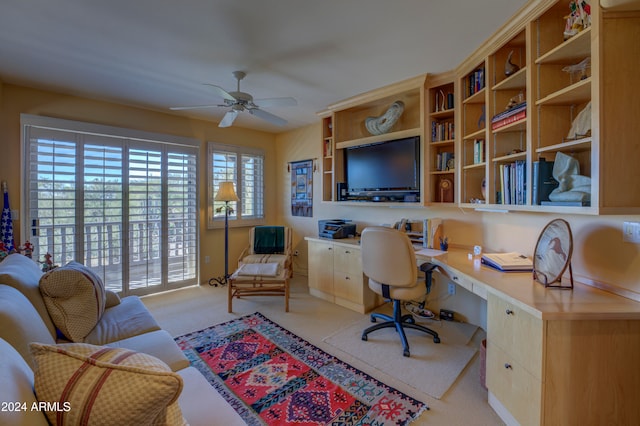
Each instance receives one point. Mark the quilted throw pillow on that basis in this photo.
(99, 385)
(75, 299)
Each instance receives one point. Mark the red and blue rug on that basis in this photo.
(271, 376)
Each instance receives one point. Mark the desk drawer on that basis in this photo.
(347, 260)
(517, 332)
(348, 286)
(513, 386)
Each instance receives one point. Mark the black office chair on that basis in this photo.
(388, 259)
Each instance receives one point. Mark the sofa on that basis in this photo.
(34, 355)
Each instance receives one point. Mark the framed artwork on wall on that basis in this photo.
(302, 188)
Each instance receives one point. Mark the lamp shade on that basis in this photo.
(226, 192)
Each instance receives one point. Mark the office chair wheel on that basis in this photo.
(406, 353)
(436, 340)
(364, 337)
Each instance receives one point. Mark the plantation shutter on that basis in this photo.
(225, 168)
(182, 215)
(244, 167)
(103, 207)
(145, 211)
(126, 207)
(52, 194)
(252, 178)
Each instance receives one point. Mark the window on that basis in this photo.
(245, 168)
(122, 202)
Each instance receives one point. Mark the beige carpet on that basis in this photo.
(432, 368)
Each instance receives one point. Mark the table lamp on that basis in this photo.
(226, 193)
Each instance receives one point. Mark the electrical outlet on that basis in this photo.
(452, 288)
(631, 232)
(207, 259)
(295, 253)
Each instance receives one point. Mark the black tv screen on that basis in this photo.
(392, 166)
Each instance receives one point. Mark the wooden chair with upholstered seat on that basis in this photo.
(265, 266)
(388, 260)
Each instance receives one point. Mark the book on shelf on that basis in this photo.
(475, 82)
(508, 120)
(508, 262)
(478, 151)
(543, 181)
(442, 131)
(328, 149)
(443, 160)
(509, 112)
(513, 183)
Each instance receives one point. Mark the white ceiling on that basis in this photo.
(158, 53)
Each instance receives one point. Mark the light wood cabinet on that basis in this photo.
(514, 359)
(500, 176)
(557, 371)
(321, 267)
(335, 274)
(535, 40)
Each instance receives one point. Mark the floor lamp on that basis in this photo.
(226, 193)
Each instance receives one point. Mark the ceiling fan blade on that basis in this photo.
(221, 92)
(228, 118)
(273, 119)
(277, 102)
(194, 107)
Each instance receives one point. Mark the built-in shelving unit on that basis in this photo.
(328, 148)
(440, 145)
(474, 132)
(453, 112)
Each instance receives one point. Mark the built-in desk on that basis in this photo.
(554, 357)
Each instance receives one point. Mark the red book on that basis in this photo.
(508, 120)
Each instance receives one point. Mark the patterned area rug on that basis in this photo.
(271, 376)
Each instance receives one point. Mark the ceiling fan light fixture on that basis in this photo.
(241, 101)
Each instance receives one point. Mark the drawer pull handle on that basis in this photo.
(455, 278)
(509, 312)
(329, 248)
(347, 278)
(347, 251)
(508, 366)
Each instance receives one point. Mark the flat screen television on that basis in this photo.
(385, 171)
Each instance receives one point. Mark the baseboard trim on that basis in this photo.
(502, 411)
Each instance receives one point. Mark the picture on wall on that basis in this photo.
(302, 188)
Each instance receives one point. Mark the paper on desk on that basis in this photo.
(429, 252)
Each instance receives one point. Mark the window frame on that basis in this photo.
(235, 221)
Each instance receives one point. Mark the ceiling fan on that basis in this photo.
(241, 101)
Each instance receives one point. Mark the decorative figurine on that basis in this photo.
(3, 251)
(578, 72)
(573, 186)
(384, 123)
(48, 265)
(509, 67)
(578, 19)
(27, 249)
